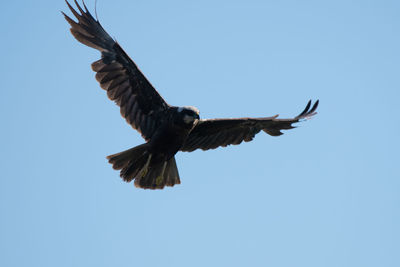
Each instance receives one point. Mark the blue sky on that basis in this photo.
(324, 194)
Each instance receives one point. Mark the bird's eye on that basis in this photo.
(188, 119)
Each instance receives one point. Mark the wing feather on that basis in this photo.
(140, 103)
(210, 134)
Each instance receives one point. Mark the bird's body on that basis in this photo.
(167, 129)
(172, 134)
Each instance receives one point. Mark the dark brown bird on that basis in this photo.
(167, 129)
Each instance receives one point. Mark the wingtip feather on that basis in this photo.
(79, 7)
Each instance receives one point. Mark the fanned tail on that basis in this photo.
(148, 171)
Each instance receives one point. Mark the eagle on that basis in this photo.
(166, 129)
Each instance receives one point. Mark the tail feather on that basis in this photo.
(168, 174)
(148, 180)
(149, 171)
(121, 160)
(159, 176)
(173, 174)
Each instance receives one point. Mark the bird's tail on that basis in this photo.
(148, 170)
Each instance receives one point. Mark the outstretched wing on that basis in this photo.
(210, 134)
(141, 105)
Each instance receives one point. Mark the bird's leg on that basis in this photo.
(145, 168)
(160, 177)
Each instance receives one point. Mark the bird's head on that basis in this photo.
(189, 115)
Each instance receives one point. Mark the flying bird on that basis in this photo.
(166, 129)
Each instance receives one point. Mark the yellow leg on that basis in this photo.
(145, 168)
(159, 179)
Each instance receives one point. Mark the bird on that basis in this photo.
(166, 129)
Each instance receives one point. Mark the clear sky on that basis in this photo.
(324, 194)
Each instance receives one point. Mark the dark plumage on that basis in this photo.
(166, 129)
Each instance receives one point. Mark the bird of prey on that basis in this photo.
(167, 129)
